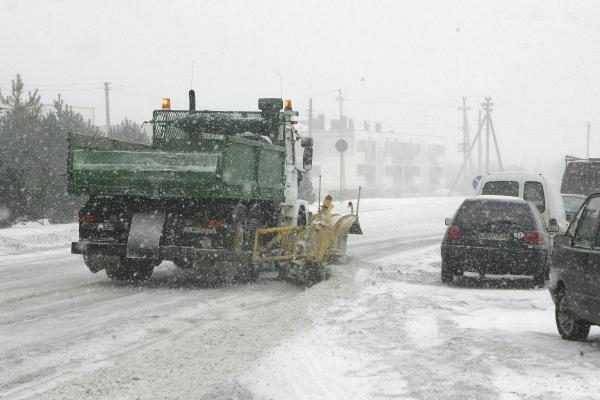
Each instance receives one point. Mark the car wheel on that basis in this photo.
(539, 279)
(447, 272)
(569, 326)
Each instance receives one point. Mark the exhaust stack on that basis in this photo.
(192, 96)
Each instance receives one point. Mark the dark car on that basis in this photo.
(575, 273)
(496, 235)
(572, 202)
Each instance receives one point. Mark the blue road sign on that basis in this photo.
(476, 181)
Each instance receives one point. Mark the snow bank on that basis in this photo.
(400, 333)
(32, 237)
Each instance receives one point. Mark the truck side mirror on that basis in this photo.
(307, 144)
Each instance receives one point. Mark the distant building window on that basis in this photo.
(435, 152)
(366, 171)
(367, 147)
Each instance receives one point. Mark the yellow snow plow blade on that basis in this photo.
(321, 241)
(300, 252)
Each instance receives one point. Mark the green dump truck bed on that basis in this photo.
(214, 164)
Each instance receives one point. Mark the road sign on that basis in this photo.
(476, 181)
(341, 145)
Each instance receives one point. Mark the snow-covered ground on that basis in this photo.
(383, 326)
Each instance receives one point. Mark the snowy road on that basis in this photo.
(382, 327)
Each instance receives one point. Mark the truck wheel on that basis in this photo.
(117, 271)
(97, 262)
(183, 263)
(6, 217)
(235, 237)
(253, 222)
(247, 273)
(130, 270)
(569, 326)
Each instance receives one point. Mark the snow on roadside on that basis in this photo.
(402, 334)
(32, 237)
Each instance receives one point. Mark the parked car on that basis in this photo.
(581, 176)
(572, 202)
(532, 187)
(496, 235)
(575, 273)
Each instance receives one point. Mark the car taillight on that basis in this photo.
(532, 238)
(213, 223)
(454, 232)
(90, 218)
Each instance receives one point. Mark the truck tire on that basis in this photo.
(130, 270)
(234, 239)
(98, 262)
(247, 273)
(6, 217)
(254, 220)
(183, 263)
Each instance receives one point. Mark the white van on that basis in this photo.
(531, 187)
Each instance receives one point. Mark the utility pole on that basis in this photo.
(310, 117)
(489, 128)
(487, 107)
(340, 100)
(479, 149)
(466, 145)
(587, 152)
(107, 104)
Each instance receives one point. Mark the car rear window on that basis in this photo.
(490, 213)
(501, 188)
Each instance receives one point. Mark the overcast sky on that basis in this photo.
(406, 64)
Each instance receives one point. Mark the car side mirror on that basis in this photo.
(448, 221)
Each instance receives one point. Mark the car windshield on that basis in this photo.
(572, 203)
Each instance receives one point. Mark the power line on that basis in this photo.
(66, 84)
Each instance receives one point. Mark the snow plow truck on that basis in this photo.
(216, 191)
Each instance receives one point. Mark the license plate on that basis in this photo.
(106, 226)
(199, 230)
(494, 236)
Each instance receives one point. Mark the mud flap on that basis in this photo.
(144, 235)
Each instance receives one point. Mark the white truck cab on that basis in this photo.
(532, 187)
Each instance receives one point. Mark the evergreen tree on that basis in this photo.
(20, 130)
(129, 131)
